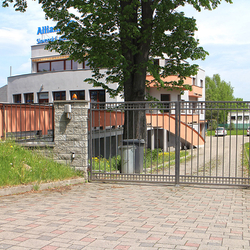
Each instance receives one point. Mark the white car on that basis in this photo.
(220, 131)
(248, 131)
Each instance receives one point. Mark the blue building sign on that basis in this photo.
(47, 30)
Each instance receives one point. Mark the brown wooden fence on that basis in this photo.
(26, 121)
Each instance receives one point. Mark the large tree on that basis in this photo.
(123, 37)
(220, 91)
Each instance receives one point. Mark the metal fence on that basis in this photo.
(27, 122)
(170, 142)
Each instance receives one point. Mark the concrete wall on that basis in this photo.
(53, 81)
(71, 135)
(3, 93)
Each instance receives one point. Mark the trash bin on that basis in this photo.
(139, 152)
(127, 159)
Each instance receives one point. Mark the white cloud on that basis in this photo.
(228, 24)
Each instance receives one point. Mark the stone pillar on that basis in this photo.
(71, 135)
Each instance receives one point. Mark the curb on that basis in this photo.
(41, 186)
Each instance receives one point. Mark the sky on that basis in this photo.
(223, 32)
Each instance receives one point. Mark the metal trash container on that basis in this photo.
(127, 159)
(139, 152)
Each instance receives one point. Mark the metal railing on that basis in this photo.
(170, 142)
(27, 122)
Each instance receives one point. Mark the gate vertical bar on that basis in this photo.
(177, 143)
(90, 140)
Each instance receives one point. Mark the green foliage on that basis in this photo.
(246, 153)
(152, 158)
(21, 166)
(218, 90)
(124, 36)
(231, 126)
(101, 164)
(212, 124)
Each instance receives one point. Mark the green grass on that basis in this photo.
(246, 155)
(103, 165)
(152, 159)
(232, 132)
(22, 166)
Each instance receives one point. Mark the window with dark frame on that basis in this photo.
(17, 98)
(194, 81)
(201, 83)
(97, 96)
(58, 65)
(80, 94)
(59, 95)
(43, 97)
(157, 62)
(166, 98)
(29, 98)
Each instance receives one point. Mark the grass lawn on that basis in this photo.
(246, 154)
(155, 158)
(22, 166)
(232, 132)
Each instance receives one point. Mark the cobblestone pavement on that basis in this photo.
(119, 216)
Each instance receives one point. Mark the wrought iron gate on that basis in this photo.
(170, 142)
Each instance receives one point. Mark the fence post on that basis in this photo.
(177, 143)
(71, 134)
(90, 142)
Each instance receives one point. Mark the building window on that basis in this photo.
(29, 98)
(43, 97)
(201, 83)
(74, 65)
(183, 104)
(68, 64)
(194, 81)
(17, 98)
(59, 65)
(156, 62)
(97, 96)
(43, 66)
(60, 95)
(165, 98)
(80, 94)
(86, 65)
(194, 107)
(202, 108)
(239, 117)
(246, 117)
(233, 118)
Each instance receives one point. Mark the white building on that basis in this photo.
(239, 119)
(55, 77)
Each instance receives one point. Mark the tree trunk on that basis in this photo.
(135, 74)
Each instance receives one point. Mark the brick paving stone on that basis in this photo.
(109, 216)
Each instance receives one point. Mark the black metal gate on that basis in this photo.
(177, 142)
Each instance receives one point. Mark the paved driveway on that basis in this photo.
(221, 156)
(113, 216)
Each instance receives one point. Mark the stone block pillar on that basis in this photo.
(71, 135)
